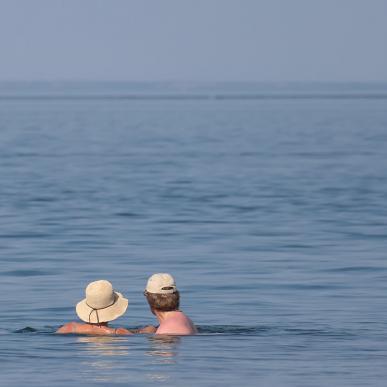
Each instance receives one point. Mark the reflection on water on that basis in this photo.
(163, 350)
(100, 366)
(164, 347)
(104, 358)
(105, 345)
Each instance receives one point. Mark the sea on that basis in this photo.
(266, 201)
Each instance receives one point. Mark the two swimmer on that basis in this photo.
(103, 304)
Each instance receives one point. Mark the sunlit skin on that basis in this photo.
(171, 323)
(101, 329)
(149, 329)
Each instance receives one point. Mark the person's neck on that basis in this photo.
(102, 324)
(161, 316)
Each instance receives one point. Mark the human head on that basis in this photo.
(102, 303)
(161, 293)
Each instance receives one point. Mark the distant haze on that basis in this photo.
(194, 40)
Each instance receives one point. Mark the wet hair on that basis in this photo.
(163, 302)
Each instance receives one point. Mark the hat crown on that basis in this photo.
(99, 294)
(161, 283)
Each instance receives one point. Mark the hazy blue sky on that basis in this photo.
(264, 40)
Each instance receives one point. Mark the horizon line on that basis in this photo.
(194, 97)
(90, 80)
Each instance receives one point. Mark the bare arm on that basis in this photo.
(149, 329)
(122, 331)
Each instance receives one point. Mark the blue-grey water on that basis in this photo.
(268, 203)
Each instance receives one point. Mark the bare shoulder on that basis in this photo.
(68, 328)
(178, 324)
(87, 329)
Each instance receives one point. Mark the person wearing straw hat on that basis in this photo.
(164, 299)
(101, 305)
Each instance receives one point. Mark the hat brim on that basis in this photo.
(112, 312)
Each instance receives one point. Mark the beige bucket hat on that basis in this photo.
(161, 283)
(102, 303)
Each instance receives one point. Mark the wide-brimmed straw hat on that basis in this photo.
(102, 303)
(161, 283)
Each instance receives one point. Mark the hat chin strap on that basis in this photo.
(96, 312)
(97, 309)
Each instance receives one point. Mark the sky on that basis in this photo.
(194, 40)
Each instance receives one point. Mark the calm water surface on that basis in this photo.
(267, 203)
